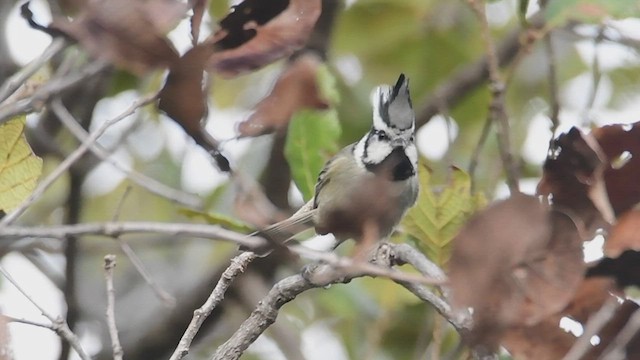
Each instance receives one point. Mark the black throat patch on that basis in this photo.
(395, 167)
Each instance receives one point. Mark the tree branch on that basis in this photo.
(238, 265)
(497, 111)
(109, 264)
(57, 323)
(114, 229)
(289, 288)
(472, 76)
(52, 88)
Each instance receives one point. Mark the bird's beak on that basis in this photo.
(399, 143)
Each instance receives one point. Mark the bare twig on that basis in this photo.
(114, 229)
(553, 84)
(167, 299)
(475, 156)
(238, 265)
(287, 289)
(404, 253)
(8, 318)
(70, 160)
(617, 349)
(263, 316)
(352, 267)
(109, 264)
(497, 110)
(45, 92)
(596, 322)
(465, 81)
(57, 323)
(147, 183)
(16, 80)
(596, 76)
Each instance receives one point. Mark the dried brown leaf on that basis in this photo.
(624, 235)
(543, 341)
(184, 100)
(130, 34)
(622, 179)
(295, 89)
(514, 264)
(258, 33)
(573, 175)
(547, 340)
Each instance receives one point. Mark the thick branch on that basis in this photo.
(238, 265)
(287, 289)
(263, 316)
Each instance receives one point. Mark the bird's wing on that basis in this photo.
(324, 176)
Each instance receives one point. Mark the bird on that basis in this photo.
(363, 191)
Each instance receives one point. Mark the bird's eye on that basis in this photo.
(381, 135)
(413, 138)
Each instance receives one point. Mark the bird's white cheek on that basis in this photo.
(378, 151)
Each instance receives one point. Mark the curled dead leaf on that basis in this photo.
(621, 146)
(295, 89)
(546, 340)
(573, 175)
(258, 33)
(184, 100)
(514, 263)
(130, 34)
(624, 235)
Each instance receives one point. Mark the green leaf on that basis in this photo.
(328, 85)
(19, 167)
(312, 138)
(438, 215)
(594, 11)
(225, 221)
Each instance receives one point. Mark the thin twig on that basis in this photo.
(167, 299)
(463, 82)
(596, 322)
(617, 350)
(475, 156)
(552, 76)
(497, 110)
(52, 88)
(147, 183)
(16, 80)
(57, 323)
(8, 318)
(70, 160)
(596, 76)
(109, 264)
(238, 265)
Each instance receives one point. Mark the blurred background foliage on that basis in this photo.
(597, 68)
